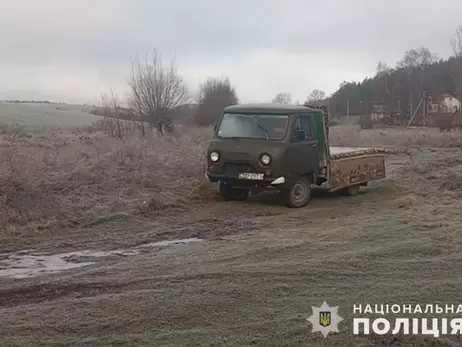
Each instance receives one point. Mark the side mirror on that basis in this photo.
(215, 128)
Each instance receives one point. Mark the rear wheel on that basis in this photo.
(298, 194)
(228, 193)
(351, 190)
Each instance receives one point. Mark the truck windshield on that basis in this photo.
(253, 126)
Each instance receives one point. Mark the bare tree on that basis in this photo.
(456, 43)
(408, 63)
(116, 122)
(316, 95)
(418, 59)
(382, 68)
(282, 98)
(384, 71)
(156, 90)
(110, 105)
(215, 94)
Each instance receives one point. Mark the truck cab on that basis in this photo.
(259, 147)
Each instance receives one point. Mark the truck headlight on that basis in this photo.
(214, 156)
(265, 159)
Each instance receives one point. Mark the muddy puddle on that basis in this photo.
(26, 263)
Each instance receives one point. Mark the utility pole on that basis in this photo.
(415, 113)
(411, 112)
(348, 109)
(424, 113)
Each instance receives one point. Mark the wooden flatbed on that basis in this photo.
(348, 166)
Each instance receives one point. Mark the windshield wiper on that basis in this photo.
(264, 130)
(261, 127)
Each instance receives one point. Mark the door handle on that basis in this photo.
(313, 145)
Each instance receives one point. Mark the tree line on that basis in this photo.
(157, 94)
(286, 98)
(401, 87)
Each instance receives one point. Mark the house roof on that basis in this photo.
(439, 98)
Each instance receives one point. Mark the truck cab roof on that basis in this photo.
(268, 108)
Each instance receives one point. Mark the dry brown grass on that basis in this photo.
(66, 175)
(254, 280)
(400, 138)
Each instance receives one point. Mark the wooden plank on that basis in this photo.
(347, 152)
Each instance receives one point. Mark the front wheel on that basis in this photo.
(298, 194)
(228, 193)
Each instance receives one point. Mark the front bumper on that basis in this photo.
(269, 181)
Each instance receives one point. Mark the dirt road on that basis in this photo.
(252, 272)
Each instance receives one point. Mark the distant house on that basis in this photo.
(445, 103)
(379, 112)
(444, 110)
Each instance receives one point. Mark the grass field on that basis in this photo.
(45, 115)
(259, 267)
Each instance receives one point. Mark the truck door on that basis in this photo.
(303, 154)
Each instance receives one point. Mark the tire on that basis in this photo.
(351, 190)
(228, 193)
(298, 194)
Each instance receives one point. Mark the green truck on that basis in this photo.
(258, 147)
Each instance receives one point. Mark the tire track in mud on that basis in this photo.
(38, 293)
(211, 225)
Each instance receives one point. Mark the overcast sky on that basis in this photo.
(72, 50)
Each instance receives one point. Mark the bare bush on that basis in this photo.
(155, 90)
(116, 128)
(215, 95)
(111, 113)
(117, 122)
(12, 131)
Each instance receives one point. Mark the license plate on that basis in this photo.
(250, 176)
